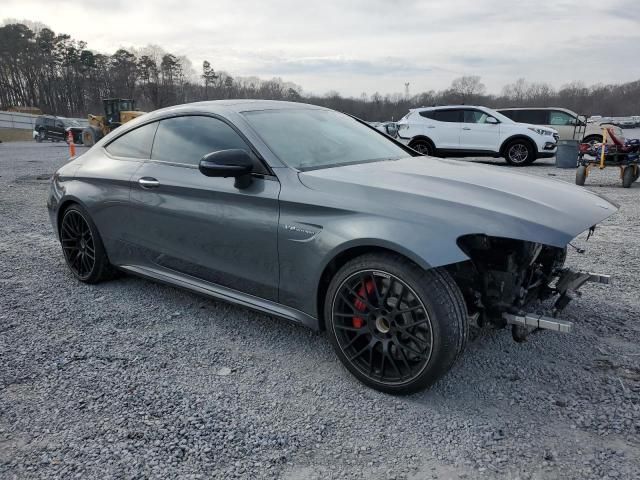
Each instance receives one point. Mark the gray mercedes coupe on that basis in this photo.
(312, 215)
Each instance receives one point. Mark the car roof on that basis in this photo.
(445, 107)
(538, 108)
(237, 106)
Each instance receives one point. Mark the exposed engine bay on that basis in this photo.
(505, 279)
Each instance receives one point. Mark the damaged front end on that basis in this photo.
(505, 279)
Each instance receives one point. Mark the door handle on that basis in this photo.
(431, 126)
(466, 128)
(148, 182)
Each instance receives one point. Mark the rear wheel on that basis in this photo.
(519, 153)
(82, 247)
(628, 176)
(89, 137)
(581, 175)
(423, 147)
(395, 326)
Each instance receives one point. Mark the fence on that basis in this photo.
(25, 121)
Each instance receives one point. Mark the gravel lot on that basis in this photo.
(131, 379)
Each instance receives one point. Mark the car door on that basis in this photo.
(446, 127)
(202, 226)
(564, 123)
(108, 173)
(477, 133)
(57, 131)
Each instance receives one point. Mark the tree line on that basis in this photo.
(62, 76)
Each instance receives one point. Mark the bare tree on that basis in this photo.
(468, 87)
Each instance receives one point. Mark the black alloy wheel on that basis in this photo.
(78, 244)
(396, 327)
(82, 246)
(382, 327)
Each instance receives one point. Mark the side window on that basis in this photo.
(475, 116)
(448, 116)
(512, 114)
(135, 143)
(425, 114)
(187, 139)
(48, 122)
(560, 118)
(537, 117)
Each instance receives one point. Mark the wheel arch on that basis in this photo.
(423, 138)
(518, 136)
(348, 253)
(64, 204)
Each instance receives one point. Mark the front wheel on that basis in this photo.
(395, 327)
(40, 137)
(519, 153)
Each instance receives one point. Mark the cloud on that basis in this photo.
(367, 44)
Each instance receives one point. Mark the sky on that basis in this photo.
(356, 46)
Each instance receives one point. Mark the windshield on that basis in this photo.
(307, 138)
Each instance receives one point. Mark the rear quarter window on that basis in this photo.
(135, 143)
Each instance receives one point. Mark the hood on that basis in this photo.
(460, 198)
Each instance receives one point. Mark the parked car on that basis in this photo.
(470, 131)
(390, 128)
(569, 124)
(312, 215)
(49, 127)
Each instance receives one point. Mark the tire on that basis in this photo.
(591, 139)
(628, 176)
(40, 137)
(423, 147)
(82, 247)
(89, 137)
(581, 175)
(400, 353)
(519, 153)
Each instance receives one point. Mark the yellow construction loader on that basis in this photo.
(116, 112)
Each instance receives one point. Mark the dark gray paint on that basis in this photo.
(267, 246)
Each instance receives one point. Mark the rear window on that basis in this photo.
(444, 115)
(135, 143)
(537, 117)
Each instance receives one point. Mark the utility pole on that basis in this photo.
(406, 89)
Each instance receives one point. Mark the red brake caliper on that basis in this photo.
(358, 322)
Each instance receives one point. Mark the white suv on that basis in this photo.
(467, 131)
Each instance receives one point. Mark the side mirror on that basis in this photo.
(491, 120)
(228, 163)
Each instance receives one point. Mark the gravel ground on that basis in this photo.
(131, 379)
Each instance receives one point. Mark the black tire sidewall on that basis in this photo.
(531, 154)
(102, 269)
(581, 175)
(429, 148)
(425, 284)
(628, 176)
